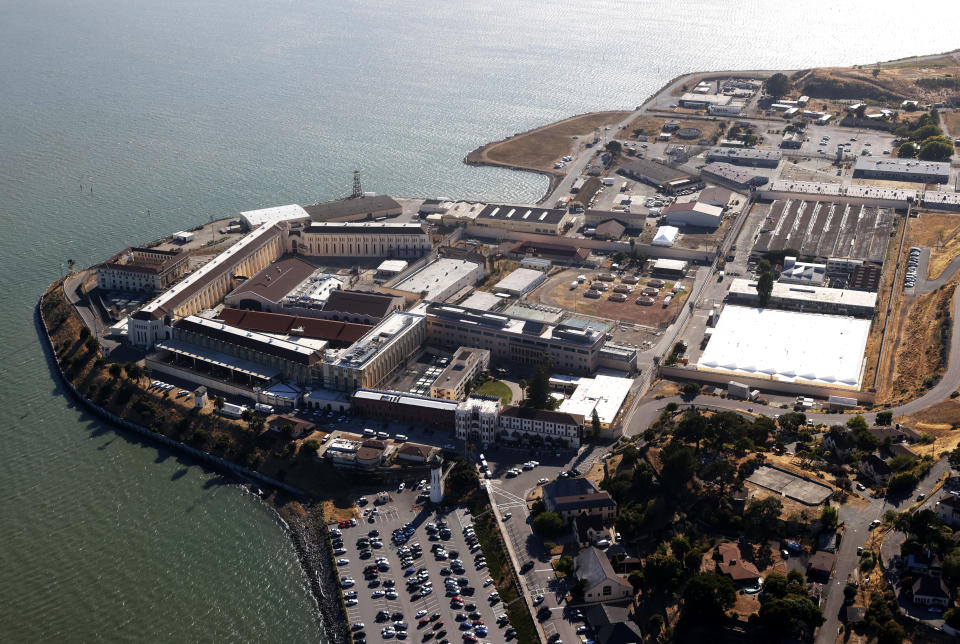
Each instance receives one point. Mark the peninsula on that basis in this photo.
(718, 356)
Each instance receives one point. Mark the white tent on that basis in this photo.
(665, 236)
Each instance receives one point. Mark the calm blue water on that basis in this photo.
(175, 112)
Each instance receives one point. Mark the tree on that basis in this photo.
(707, 597)
(884, 417)
(565, 565)
(829, 517)
(311, 446)
(614, 148)
(792, 421)
(548, 525)
(857, 423)
(679, 463)
(936, 148)
(115, 370)
(92, 344)
(861, 111)
(890, 633)
(662, 572)
(595, 423)
(636, 579)
(907, 151)
(954, 458)
(764, 288)
(901, 484)
(762, 516)
(538, 389)
(462, 480)
(691, 389)
(778, 85)
(925, 132)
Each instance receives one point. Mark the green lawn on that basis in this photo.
(496, 388)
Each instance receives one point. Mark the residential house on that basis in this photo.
(924, 562)
(600, 582)
(588, 528)
(414, 453)
(930, 591)
(298, 426)
(571, 496)
(821, 565)
(625, 632)
(840, 441)
(948, 509)
(875, 468)
(732, 564)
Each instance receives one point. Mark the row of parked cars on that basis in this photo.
(913, 262)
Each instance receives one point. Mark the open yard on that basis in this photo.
(872, 350)
(496, 388)
(927, 80)
(540, 148)
(940, 232)
(557, 292)
(951, 122)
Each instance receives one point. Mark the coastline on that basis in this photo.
(306, 530)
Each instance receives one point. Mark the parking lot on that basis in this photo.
(425, 569)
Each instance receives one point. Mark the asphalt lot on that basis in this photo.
(394, 514)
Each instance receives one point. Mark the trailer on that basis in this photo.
(842, 402)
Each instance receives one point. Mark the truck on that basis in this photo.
(233, 411)
(667, 300)
(842, 401)
(577, 185)
(263, 408)
(562, 203)
(738, 390)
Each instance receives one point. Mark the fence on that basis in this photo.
(711, 377)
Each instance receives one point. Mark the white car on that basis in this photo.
(421, 613)
(343, 562)
(538, 600)
(391, 594)
(351, 602)
(377, 594)
(400, 487)
(346, 582)
(542, 481)
(507, 515)
(487, 582)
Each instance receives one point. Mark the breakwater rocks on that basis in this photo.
(308, 533)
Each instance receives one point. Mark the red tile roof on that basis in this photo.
(330, 330)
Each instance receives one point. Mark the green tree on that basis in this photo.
(115, 370)
(884, 417)
(679, 463)
(829, 517)
(936, 148)
(614, 148)
(890, 633)
(691, 389)
(954, 458)
(764, 288)
(662, 572)
(925, 132)
(778, 85)
(565, 565)
(538, 389)
(92, 344)
(311, 446)
(901, 484)
(595, 423)
(907, 151)
(857, 423)
(707, 597)
(548, 525)
(636, 579)
(762, 516)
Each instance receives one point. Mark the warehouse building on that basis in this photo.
(467, 363)
(354, 209)
(603, 394)
(910, 170)
(715, 197)
(404, 407)
(703, 101)
(776, 345)
(142, 269)
(520, 281)
(694, 213)
(658, 175)
(670, 267)
(376, 355)
(289, 285)
(337, 334)
(815, 299)
(805, 273)
(442, 278)
(523, 219)
(730, 175)
(361, 307)
(750, 157)
(826, 230)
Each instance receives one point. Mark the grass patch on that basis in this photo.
(500, 570)
(496, 388)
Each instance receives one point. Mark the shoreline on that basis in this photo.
(307, 532)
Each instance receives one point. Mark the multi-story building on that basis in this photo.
(142, 269)
(289, 285)
(520, 341)
(570, 496)
(482, 418)
(404, 407)
(377, 354)
(442, 278)
(238, 355)
(811, 299)
(360, 239)
(467, 363)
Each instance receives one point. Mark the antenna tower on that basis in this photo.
(357, 190)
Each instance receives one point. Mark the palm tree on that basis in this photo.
(523, 389)
(218, 405)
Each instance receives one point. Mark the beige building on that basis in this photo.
(600, 582)
(524, 219)
(394, 240)
(377, 354)
(467, 363)
(142, 269)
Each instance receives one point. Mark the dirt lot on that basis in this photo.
(872, 348)
(892, 81)
(650, 125)
(540, 148)
(556, 292)
(941, 233)
(917, 348)
(951, 122)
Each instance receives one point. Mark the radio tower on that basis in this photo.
(357, 190)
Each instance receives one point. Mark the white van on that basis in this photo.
(383, 435)
(400, 438)
(369, 433)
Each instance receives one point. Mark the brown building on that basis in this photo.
(364, 208)
(611, 229)
(338, 334)
(362, 307)
(142, 269)
(277, 423)
(406, 408)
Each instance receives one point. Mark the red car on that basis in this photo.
(438, 625)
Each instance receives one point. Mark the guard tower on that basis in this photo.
(357, 189)
(436, 480)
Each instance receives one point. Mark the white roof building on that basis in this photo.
(521, 281)
(602, 393)
(270, 216)
(787, 346)
(694, 213)
(665, 236)
(442, 277)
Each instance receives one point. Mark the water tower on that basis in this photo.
(436, 480)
